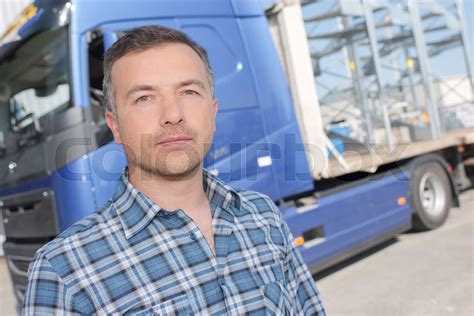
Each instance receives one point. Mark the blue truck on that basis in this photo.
(58, 161)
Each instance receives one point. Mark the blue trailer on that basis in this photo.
(58, 162)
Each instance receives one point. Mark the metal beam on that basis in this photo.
(361, 96)
(322, 17)
(465, 43)
(420, 43)
(371, 31)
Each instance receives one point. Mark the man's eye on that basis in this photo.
(189, 92)
(144, 98)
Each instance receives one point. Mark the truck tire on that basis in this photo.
(431, 195)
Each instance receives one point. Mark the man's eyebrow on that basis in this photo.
(192, 82)
(137, 88)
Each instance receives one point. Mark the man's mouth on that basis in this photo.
(176, 140)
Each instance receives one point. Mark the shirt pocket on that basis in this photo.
(270, 278)
(176, 306)
(268, 268)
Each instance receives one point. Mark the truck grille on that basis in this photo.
(30, 221)
(21, 264)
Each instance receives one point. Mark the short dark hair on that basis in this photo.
(141, 39)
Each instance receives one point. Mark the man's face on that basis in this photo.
(166, 111)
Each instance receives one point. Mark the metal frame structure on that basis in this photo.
(372, 76)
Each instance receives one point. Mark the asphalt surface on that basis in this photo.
(7, 300)
(427, 273)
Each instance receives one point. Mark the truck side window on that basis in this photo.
(96, 53)
(35, 79)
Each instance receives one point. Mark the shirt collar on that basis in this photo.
(219, 193)
(136, 210)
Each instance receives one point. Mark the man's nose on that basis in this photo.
(172, 111)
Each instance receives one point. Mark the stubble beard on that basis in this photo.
(169, 164)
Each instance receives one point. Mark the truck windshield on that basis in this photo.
(34, 80)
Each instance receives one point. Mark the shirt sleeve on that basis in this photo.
(46, 293)
(301, 285)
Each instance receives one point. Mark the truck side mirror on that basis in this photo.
(45, 91)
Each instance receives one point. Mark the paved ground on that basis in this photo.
(7, 300)
(427, 273)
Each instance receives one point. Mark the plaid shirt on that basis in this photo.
(134, 258)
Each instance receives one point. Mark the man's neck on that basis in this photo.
(170, 194)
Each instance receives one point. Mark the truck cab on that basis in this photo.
(58, 160)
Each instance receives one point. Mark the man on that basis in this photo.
(174, 239)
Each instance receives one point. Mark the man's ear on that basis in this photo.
(112, 123)
(215, 106)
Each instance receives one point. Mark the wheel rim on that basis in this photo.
(432, 194)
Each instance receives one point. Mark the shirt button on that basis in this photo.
(222, 281)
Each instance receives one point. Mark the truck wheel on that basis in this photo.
(431, 196)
